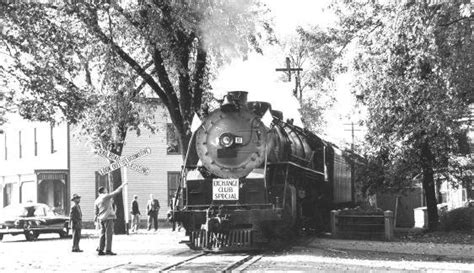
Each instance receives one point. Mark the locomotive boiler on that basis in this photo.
(255, 182)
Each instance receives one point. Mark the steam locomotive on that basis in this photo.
(255, 182)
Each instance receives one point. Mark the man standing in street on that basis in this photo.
(105, 214)
(135, 214)
(153, 207)
(75, 220)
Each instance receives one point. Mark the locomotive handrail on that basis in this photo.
(295, 165)
(360, 216)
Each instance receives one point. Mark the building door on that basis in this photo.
(173, 182)
(52, 193)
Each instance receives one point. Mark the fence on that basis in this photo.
(361, 226)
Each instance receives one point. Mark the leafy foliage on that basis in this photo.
(171, 48)
(458, 219)
(316, 51)
(414, 73)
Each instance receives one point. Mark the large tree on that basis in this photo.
(318, 52)
(414, 73)
(180, 40)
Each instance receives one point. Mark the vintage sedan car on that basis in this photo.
(32, 219)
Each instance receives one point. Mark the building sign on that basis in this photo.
(122, 161)
(225, 189)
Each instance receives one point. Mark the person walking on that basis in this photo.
(105, 214)
(135, 214)
(75, 220)
(152, 208)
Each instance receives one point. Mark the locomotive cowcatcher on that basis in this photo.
(255, 182)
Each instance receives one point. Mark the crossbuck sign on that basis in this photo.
(121, 161)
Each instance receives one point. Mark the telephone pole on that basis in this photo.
(289, 69)
(352, 130)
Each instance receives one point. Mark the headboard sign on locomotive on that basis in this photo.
(257, 181)
(225, 189)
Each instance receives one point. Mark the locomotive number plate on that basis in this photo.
(225, 189)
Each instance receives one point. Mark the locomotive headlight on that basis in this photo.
(226, 140)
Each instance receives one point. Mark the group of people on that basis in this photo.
(105, 216)
(152, 209)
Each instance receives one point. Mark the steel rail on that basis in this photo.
(235, 266)
(168, 267)
(242, 264)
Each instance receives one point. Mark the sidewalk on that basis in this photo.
(454, 251)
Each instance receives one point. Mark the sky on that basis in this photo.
(257, 74)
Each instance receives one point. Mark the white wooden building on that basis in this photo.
(46, 164)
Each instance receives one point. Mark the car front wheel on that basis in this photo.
(31, 235)
(1, 237)
(64, 233)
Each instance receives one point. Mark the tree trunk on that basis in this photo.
(115, 182)
(184, 142)
(429, 186)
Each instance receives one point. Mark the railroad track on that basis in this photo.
(214, 262)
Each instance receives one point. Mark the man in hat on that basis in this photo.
(105, 214)
(75, 220)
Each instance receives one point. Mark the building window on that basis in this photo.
(19, 144)
(173, 182)
(27, 191)
(36, 143)
(51, 127)
(172, 140)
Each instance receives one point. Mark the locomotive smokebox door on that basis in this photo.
(231, 142)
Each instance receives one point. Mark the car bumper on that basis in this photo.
(12, 231)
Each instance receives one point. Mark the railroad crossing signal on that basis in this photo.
(121, 161)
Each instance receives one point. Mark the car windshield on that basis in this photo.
(13, 211)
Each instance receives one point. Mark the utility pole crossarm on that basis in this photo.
(289, 69)
(353, 136)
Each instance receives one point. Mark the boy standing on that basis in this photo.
(135, 214)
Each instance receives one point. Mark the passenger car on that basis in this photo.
(32, 219)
